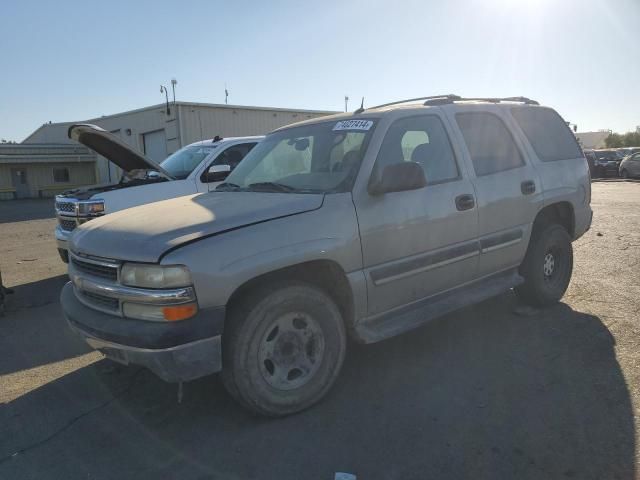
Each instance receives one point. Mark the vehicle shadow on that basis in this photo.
(482, 393)
(30, 209)
(33, 331)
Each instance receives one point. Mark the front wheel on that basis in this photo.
(283, 349)
(547, 266)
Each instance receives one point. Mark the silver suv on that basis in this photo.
(366, 224)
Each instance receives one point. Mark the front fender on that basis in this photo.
(222, 263)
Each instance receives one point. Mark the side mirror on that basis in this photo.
(218, 173)
(399, 177)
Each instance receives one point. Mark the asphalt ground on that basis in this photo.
(491, 391)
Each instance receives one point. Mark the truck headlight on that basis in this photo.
(91, 208)
(155, 276)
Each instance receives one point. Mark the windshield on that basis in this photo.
(181, 163)
(316, 158)
(606, 155)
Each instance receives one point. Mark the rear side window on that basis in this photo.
(489, 142)
(547, 133)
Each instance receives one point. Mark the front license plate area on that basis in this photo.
(115, 355)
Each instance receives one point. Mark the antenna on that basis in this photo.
(361, 109)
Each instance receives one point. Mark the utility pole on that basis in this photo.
(174, 82)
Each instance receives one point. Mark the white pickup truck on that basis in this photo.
(195, 168)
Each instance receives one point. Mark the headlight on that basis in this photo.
(94, 207)
(155, 276)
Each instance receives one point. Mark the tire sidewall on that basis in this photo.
(552, 237)
(252, 386)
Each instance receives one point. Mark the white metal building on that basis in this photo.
(157, 133)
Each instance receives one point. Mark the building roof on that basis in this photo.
(44, 153)
(178, 103)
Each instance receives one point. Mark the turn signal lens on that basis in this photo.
(179, 312)
(159, 313)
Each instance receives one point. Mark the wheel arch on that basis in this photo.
(561, 213)
(325, 274)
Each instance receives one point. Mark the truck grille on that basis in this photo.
(66, 207)
(102, 271)
(100, 301)
(68, 225)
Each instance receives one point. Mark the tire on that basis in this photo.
(283, 348)
(624, 174)
(64, 255)
(547, 266)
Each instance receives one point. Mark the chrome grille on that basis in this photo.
(102, 271)
(66, 207)
(100, 301)
(68, 225)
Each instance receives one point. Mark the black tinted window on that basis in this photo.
(233, 155)
(490, 144)
(547, 133)
(61, 175)
(422, 140)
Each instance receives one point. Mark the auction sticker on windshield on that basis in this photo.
(353, 125)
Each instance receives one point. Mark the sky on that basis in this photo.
(73, 60)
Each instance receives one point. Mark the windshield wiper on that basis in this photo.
(228, 186)
(278, 187)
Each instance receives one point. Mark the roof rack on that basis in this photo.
(450, 98)
(524, 100)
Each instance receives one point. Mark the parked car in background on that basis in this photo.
(626, 151)
(607, 162)
(591, 161)
(367, 224)
(630, 166)
(195, 168)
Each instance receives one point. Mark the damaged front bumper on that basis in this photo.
(175, 353)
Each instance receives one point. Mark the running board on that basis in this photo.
(394, 322)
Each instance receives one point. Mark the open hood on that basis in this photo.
(113, 149)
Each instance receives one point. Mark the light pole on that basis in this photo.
(163, 89)
(346, 103)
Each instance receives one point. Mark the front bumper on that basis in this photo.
(62, 237)
(176, 352)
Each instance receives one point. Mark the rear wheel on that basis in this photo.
(547, 266)
(283, 349)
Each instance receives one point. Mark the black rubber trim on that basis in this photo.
(139, 333)
(423, 261)
(500, 238)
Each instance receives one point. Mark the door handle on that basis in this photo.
(528, 187)
(465, 202)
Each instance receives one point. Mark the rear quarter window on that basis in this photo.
(547, 133)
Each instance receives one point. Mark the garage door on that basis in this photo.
(155, 145)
